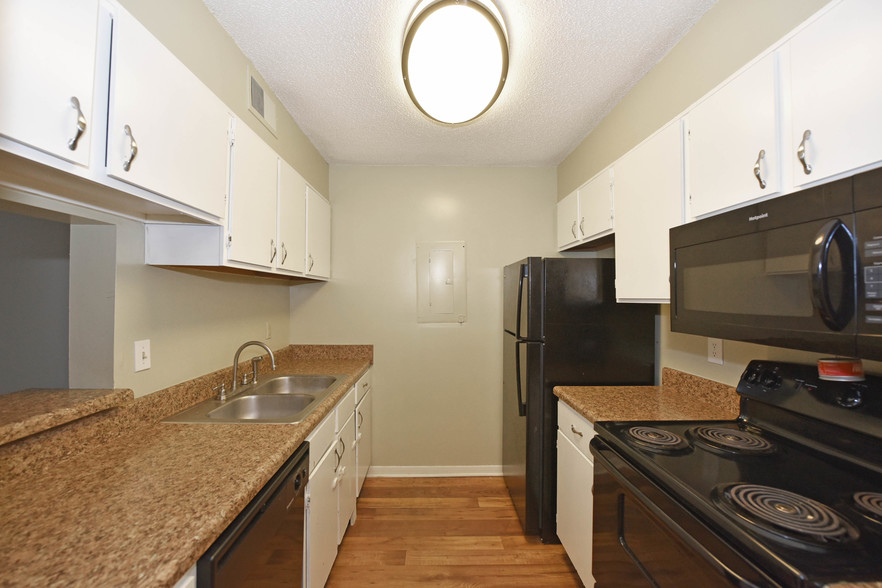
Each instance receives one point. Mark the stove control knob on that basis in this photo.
(851, 398)
(771, 380)
(754, 376)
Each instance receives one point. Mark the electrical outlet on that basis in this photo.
(142, 355)
(269, 331)
(715, 350)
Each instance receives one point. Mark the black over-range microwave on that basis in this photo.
(802, 271)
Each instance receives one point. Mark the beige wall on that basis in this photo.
(437, 387)
(727, 37)
(189, 30)
(195, 320)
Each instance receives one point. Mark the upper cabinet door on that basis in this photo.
(595, 206)
(167, 132)
(733, 142)
(649, 201)
(837, 92)
(568, 220)
(292, 219)
(253, 194)
(47, 68)
(318, 235)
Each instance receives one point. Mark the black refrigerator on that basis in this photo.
(561, 326)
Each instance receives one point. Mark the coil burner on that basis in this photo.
(730, 440)
(869, 504)
(657, 439)
(785, 515)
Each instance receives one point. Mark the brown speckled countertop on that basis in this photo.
(31, 411)
(127, 500)
(680, 397)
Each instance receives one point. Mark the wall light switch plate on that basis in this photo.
(715, 350)
(142, 355)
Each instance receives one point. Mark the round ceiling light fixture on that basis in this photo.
(455, 58)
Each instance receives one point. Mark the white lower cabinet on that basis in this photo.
(575, 479)
(345, 477)
(321, 520)
(363, 439)
(330, 493)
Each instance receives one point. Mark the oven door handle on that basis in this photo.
(833, 231)
(734, 577)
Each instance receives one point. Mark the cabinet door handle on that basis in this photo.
(309, 265)
(800, 152)
(575, 432)
(575, 236)
(284, 253)
(758, 169)
(133, 148)
(81, 124)
(272, 250)
(360, 419)
(582, 226)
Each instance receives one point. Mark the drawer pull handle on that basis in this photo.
(575, 432)
(800, 152)
(758, 169)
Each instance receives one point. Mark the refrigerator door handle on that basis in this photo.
(522, 406)
(521, 276)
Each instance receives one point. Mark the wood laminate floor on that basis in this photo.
(445, 532)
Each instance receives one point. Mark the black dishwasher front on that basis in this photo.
(264, 544)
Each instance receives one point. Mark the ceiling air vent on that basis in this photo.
(260, 103)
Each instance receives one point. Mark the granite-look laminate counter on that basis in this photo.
(32, 411)
(131, 501)
(680, 397)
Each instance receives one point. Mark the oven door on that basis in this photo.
(781, 272)
(642, 538)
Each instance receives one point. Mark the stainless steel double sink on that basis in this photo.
(278, 399)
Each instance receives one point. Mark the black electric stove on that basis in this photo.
(789, 494)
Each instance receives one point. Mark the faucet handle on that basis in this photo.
(221, 391)
(254, 362)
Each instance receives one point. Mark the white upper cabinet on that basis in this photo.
(733, 141)
(318, 235)
(595, 207)
(568, 220)
(291, 219)
(47, 68)
(649, 201)
(587, 213)
(253, 192)
(836, 92)
(167, 132)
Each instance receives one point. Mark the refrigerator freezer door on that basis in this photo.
(522, 295)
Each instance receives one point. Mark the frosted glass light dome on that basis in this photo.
(455, 59)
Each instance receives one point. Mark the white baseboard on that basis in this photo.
(433, 471)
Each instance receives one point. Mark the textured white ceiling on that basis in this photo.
(335, 65)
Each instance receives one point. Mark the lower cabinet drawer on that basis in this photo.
(321, 438)
(575, 427)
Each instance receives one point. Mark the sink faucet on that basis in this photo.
(253, 361)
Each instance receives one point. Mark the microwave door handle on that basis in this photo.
(522, 406)
(833, 231)
(521, 276)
